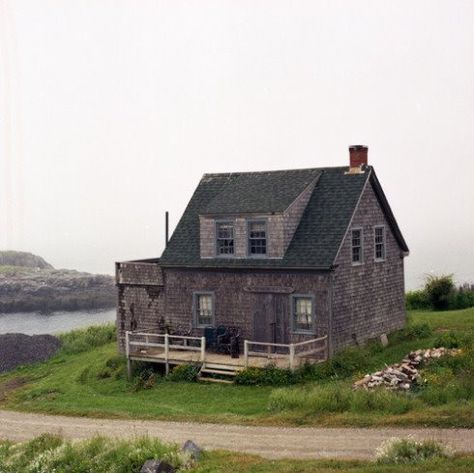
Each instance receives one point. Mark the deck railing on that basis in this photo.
(145, 339)
(294, 352)
(140, 342)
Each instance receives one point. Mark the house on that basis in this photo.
(288, 257)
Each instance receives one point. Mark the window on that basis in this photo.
(302, 311)
(203, 309)
(356, 246)
(257, 238)
(379, 238)
(225, 238)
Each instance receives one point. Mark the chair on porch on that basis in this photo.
(228, 341)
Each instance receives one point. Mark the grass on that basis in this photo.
(90, 382)
(225, 462)
(49, 453)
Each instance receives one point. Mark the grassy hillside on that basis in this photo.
(93, 383)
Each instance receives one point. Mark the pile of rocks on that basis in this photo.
(401, 376)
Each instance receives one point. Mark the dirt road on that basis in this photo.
(269, 442)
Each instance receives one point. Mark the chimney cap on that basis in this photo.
(358, 147)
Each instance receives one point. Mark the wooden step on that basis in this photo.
(219, 366)
(221, 372)
(214, 380)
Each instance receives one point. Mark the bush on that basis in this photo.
(452, 340)
(82, 340)
(417, 300)
(461, 299)
(270, 375)
(49, 453)
(405, 451)
(417, 331)
(184, 373)
(439, 290)
(144, 376)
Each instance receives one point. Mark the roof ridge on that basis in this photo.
(239, 173)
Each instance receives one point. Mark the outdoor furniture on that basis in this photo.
(228, 341)
(210, 336)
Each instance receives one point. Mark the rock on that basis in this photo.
(157, 466)
(192, 450)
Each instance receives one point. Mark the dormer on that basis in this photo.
(255, 215)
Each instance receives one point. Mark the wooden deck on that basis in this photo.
(172, 350)
(178, 357)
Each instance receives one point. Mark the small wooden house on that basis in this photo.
(302, 262)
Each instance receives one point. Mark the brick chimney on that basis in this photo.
(357, 158)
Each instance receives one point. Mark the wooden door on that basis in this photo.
(271, 318)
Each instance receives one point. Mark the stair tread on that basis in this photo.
(222, 372)
(223, 366)
(214, 380)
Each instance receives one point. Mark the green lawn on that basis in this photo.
(72, 384)
(224, 462)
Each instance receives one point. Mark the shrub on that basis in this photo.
(439, 290)
(461, 299)
(417, 331)
(451, 340)
(270, 375)
(405, 451)
(144, 376)
(417, 300)
(184, 373)
(81, 340)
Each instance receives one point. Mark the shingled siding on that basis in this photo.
(236, 294)
(140, 297)
(368, 299)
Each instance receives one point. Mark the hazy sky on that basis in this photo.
(112, 110)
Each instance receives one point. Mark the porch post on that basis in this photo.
(127, 354)
(203, 349)
(246, 353)
(292, 356)
(167, 350)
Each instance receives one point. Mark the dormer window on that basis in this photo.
(225, 239)
(257, 233)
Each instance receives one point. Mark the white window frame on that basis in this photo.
(293, 299)
(360, 246)
(249, 223)
(196, 296)
(384, 243)
(216, 240)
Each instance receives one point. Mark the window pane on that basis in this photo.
(257, 238)
(379, 243)
(225, 239)
(204, 309)
(303, 313)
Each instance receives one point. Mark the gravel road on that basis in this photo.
(269, 442)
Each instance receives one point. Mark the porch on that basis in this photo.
(172, 350)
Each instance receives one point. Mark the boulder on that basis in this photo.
(192, 450)
(157, 466)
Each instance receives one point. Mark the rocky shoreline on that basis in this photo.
(32, 285)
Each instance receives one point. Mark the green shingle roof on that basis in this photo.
(321, 230)
(259, 192)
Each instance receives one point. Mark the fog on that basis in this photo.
(112, 111)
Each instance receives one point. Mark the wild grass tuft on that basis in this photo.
(406, 451)
(81, 340)
(49, 453)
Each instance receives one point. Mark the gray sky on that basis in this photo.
(112, 110)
